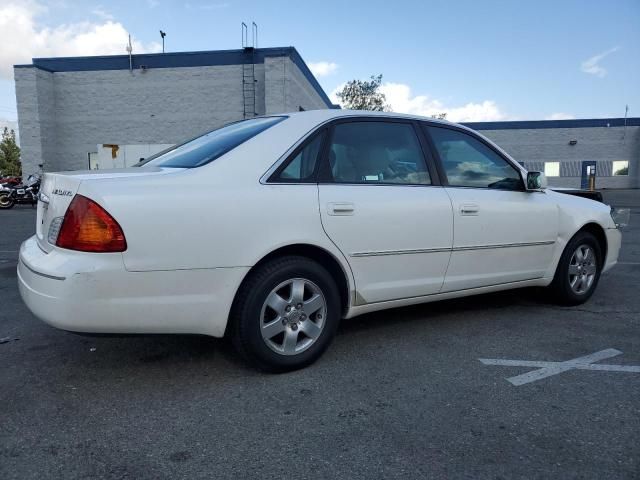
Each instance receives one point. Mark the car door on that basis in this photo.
(502, 233)
(380, 204)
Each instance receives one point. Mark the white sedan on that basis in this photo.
(272, 229)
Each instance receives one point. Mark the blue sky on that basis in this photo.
(475, 60)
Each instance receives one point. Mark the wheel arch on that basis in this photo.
(597, 231)
(317, 254)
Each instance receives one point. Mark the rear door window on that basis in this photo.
(376, 152)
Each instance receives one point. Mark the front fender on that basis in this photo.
(574, 214)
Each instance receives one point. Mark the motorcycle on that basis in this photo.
(9, 181)
(25, 194)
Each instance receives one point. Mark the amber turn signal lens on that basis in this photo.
(87, 227)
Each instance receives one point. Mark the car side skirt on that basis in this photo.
(354, 311)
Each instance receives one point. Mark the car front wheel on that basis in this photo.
(286, 314)
(578, 271)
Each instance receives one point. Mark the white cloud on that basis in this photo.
(23, 38)
(560, 116)
(10, 124)
(591, 65)
(322, 69)
(99, 11)
(401, 100)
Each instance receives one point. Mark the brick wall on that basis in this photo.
(36, 117)
(64, 115)
(534, 147)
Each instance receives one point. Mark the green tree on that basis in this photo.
(9, 154)
(364, 95)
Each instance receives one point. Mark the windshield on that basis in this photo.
(206, 148)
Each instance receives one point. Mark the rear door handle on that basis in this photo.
(340, 208)
(469, 209)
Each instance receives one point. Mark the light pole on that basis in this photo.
(163, 34)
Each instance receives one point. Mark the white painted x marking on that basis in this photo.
(547, 369)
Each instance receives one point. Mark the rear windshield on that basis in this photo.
(208, 147)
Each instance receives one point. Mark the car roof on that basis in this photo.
(327, 114)
(321, 116)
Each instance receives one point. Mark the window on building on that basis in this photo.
(552, 169)
(620, 167)
(377, 152)
(468, 162)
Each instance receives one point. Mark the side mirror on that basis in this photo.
(536, 181)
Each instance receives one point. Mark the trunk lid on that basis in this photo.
(58, 189)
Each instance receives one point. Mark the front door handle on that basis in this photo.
(469, 209)
(340, 208)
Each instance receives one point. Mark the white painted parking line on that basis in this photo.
(547, 369)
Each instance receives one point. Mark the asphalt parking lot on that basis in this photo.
(400, 394)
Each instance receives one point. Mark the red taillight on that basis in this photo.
(88, 227)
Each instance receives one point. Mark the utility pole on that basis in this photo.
(163, 34)
(130, 50)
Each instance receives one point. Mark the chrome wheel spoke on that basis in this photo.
(314, 304)
(574, 269)
(290, 341)
(590, 269)
(276, 302)
(271, 329)
(311, 329)
(580, 284)
(297, 291)
(588, 256)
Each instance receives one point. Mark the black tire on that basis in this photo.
(247, 314)
(561, 287)
(6, 202)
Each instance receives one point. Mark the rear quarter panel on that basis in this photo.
(218, 215)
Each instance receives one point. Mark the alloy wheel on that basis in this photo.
(582, 269)
(293, 316)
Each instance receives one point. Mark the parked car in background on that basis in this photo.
(273, 229)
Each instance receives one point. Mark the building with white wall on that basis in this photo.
(106, 112)
(566, 149)
(110, 111)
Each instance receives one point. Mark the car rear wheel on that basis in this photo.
(285, 315)
(578, 271)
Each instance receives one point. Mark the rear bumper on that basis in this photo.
(614, 240)
(94, 293)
